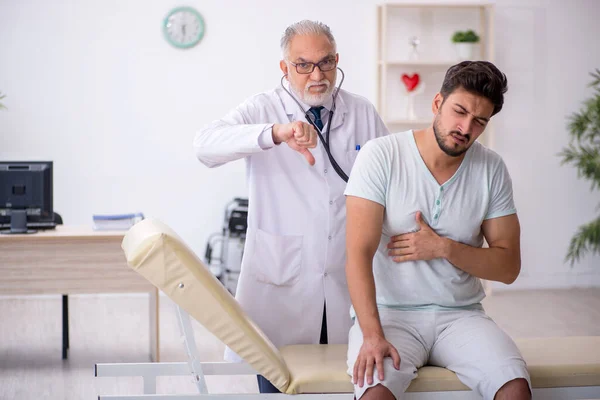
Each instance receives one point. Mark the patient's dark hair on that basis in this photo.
(477, 77)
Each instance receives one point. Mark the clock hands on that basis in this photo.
(183, 27)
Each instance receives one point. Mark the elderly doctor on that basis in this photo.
(292, 281)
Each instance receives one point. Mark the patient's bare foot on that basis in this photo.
(378, 392)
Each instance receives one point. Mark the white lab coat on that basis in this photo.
(295, 254)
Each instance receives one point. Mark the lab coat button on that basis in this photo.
(329, 237)
(325, 274)
(325, 170)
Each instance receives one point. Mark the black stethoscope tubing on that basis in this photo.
(325, 139)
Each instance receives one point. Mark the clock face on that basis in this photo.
(183, 27)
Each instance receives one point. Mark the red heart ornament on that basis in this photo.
(410, 82)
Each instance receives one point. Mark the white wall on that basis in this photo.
(94, 87)
(547, 49)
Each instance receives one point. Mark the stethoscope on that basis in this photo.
(325, 140)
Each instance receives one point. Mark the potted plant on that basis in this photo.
(465, 43)
(1, 97)
(584, 153)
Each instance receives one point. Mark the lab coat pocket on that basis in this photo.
(277, 259)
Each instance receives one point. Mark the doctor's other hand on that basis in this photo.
(299, 136)
(372, 352)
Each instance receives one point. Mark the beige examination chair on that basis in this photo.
(560, 368)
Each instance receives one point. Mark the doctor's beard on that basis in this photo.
(318, 99)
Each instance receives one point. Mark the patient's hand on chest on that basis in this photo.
(418, 242)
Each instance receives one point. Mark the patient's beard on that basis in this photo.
(440, 139)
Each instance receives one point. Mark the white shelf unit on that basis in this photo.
(418, 63)
(433, 24)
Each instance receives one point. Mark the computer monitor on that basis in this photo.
(26, 196)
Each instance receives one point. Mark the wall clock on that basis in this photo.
(183, 27)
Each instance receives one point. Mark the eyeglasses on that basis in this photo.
(308, 67)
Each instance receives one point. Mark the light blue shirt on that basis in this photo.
(390, 171)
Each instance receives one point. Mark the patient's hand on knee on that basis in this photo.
(371, 354)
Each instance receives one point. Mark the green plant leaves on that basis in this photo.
(583, 152)
(587, 239)
(465, 37)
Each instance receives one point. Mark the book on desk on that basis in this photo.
(116, 222)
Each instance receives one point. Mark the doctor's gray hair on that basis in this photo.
(305, 27)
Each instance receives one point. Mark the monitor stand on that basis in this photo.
(18, 223)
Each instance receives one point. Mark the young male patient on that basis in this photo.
(416, 300)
